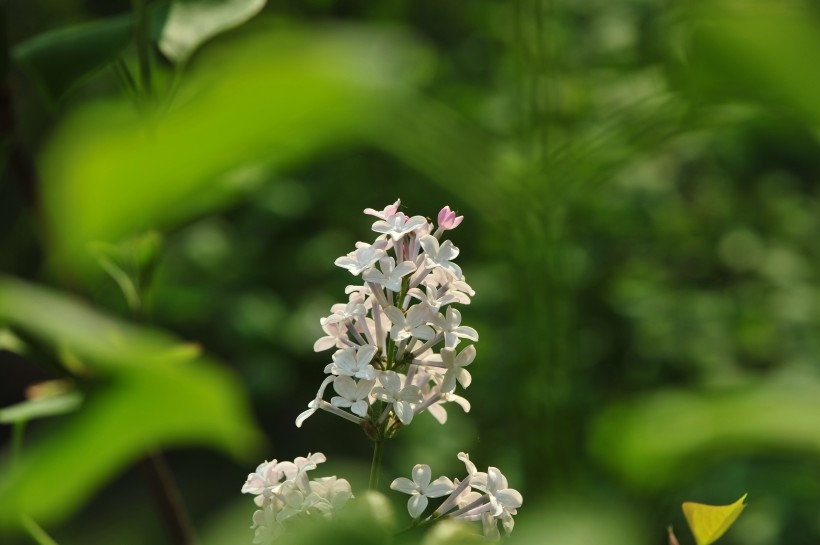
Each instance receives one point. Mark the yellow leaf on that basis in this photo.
(709, 522)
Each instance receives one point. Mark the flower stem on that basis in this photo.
(375, 466)
(17, 442)
(143, 46)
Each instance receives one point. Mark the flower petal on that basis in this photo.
(440, 487)
(422, 475)
(403, 484)
(416, 505)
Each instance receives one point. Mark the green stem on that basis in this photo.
(36, 532)
(375, 466)
(127, 80)
(17, 442)
(143, 46)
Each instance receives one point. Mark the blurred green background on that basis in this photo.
(639, 181)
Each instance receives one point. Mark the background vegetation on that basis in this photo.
(639, 185)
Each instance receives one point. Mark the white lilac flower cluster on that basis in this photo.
(283, 492)
(397, 337)
(397, 354)
(479, 496)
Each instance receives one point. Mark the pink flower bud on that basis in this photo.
(447, 219)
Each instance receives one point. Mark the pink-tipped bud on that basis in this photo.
(447, 219)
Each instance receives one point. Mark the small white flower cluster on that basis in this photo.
(283, 492)
(387, 334)
(479, 496)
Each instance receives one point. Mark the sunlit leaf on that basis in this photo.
(271, 99)
(41, 408)
(709, 522)
(192, 22)
(662, 438)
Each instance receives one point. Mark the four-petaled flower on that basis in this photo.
(504, 500)
(440, 255)
(452, 328)
(391, 391)
(353, 362)
(413, 324)
(360, 259)
(390, 275)
(398, 225)
(352, 394)
(455, 364)
(420, 488)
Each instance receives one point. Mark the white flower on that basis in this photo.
(265, 526)
(452, 328)
(360, 259)
(455, 365)
(336, 337)
(398, 225)
(352, 394)
(294, 497)
(388, 211)
(420, 488)
(413, 324)
(345, 312)
(390, 275)
(444, 280)
(313, 406)
(440, 256)
(391, 391)
(478, 479)
(264, 481)
(504, 500)
(432, 297)
(335, 491)
(301, 465)
(438, 411)
(353, 362)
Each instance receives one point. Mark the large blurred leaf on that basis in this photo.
(578, 521)
(166, 400)
(272, 99)
(762, 50)
(105, 344)
(192, 22)
(59, 58)
(663, 438)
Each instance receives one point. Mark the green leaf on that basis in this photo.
(661, 439)
(11, 342)
(41, 408)
(103, 343)
(249, 111)
(709, 522)
(192, 403)
(153, 397)
(59, 59)
(765, 51)
(191, 23)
